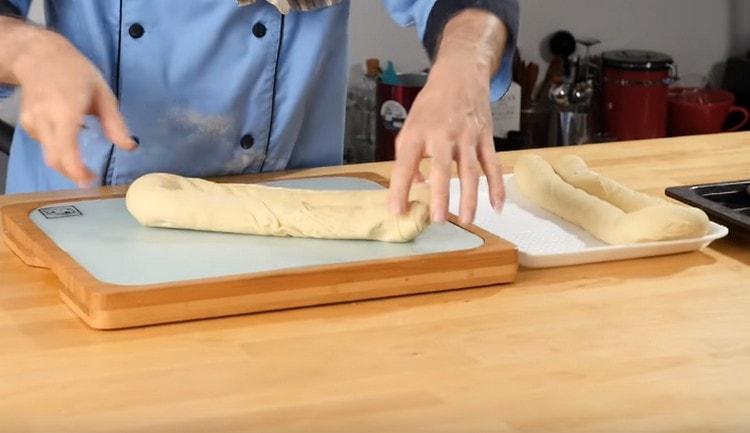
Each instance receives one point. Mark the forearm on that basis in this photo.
(475, 38)
(19, 40)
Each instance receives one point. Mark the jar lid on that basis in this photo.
(639, 60)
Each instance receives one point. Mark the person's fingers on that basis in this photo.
(418, 176)
(468, 172)
(66, 156)
(113, 124)
(408, 157)
(41, 129)
(492, 170)
(32, 125)
(51, 154)
(440, 176)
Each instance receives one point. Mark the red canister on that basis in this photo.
(635, 95)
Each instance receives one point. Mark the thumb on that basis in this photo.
(105, 107)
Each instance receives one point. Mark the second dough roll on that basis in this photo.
(539, 182)
(170, 201)
(574, 170)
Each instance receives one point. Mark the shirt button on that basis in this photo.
(136, 31)
(259, 30)
(247, 141)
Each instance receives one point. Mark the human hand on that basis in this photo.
(59, 87)
(451, 120)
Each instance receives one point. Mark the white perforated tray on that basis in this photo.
(545, 240)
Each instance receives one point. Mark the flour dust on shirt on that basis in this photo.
(286, 6)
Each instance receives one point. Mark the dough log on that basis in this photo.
(538, 181)
(574, 170)
(170, 201)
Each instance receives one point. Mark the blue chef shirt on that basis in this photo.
(212, 89)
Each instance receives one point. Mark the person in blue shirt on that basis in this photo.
(114, 89)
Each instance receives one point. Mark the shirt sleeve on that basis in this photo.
(12, 8)
(17, 8)
(431, 16)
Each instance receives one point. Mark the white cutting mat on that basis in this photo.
(110, 244)
(545, 240)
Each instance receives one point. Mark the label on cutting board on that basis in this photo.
(55, 212)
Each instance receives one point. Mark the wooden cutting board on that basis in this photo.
(117, 274)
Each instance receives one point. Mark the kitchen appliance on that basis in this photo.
(695, 111)
(635, 93)
(394, 100)
(115, 273)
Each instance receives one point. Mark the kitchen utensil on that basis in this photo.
(544, 240)
(116, 273)
(582, 93)
(531, 75)
(695, 111)
(587, 44)
(636, 85)
(559, 94)
(574, 128)
(575, 73)
(554, 74)
(563, 44)
(517, 67)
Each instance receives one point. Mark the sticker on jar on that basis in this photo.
(393, 115)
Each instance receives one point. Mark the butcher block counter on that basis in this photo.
(647, 345)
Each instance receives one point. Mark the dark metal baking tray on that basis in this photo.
(726, 203)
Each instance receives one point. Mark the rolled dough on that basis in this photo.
(170, 201)
(538, 181)
(574, 170)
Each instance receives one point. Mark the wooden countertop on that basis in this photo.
(651, 345)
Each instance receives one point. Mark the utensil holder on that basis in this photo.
(573, 128)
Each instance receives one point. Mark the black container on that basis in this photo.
(736, 79)
(726, 203)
